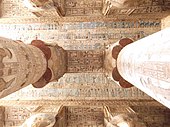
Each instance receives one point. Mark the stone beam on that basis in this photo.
(80, 103)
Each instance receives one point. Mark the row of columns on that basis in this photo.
(144, 64)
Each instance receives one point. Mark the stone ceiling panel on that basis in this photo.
(80, 36)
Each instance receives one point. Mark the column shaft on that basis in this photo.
(146, 64)
(20, 65)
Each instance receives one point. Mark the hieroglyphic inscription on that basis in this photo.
(83, 78)
(83, 25)
(13, 8)
(84, 116)
(140, 10)
(15, 116)
(152, 9)
(154, 69)
(95, 103)
(77, 94)
(142, 7)
(90, 112)
(153, 116)
(84, 61)
(82, 36)
(83, 7)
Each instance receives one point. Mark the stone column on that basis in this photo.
(20, 65)
(36, 64)
(146, 64)
(56, 63)
(110, 60)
